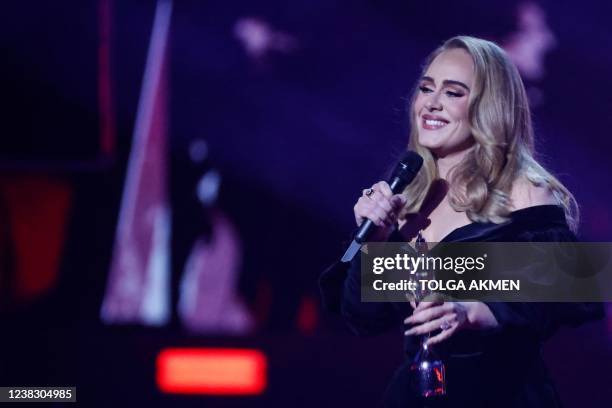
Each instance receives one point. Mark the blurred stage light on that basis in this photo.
(211, 371)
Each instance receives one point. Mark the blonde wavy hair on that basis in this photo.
(500, 123)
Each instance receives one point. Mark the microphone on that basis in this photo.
(403, 174)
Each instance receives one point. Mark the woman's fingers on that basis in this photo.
(396, 201)
(448, 317)
(425, 315)
(381, 201)
(384, 188)
(430, 301)
(443, 335)
(377, 208)
(378, 215)
(379, 205)
(447, 321)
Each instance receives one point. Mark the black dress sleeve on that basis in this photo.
(542, 319)
(340, 286)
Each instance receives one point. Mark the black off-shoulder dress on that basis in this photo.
(495, 368)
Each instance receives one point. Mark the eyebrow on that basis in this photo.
(447, 82)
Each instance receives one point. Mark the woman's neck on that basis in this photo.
(447, 162)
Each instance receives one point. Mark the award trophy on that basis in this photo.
(427, 370)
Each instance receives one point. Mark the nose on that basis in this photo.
(433, 103)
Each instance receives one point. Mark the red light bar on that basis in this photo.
(211, 371)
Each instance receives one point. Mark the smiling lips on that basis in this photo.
(431, 122)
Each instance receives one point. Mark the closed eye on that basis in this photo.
(453, 94)
(425, 89)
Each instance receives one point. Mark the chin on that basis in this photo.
(432, 142)
(442, 145)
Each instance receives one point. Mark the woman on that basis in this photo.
(479, 182)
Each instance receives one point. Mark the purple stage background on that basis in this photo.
(269, 118)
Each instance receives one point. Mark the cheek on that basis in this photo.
(418, 105)
(460, 112)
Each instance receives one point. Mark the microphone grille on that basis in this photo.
(410, 163)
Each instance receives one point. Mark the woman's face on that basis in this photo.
(442, 103)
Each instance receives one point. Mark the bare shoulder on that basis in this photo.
(526, 194)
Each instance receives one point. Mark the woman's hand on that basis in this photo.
(380, 205)
(449, 317)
